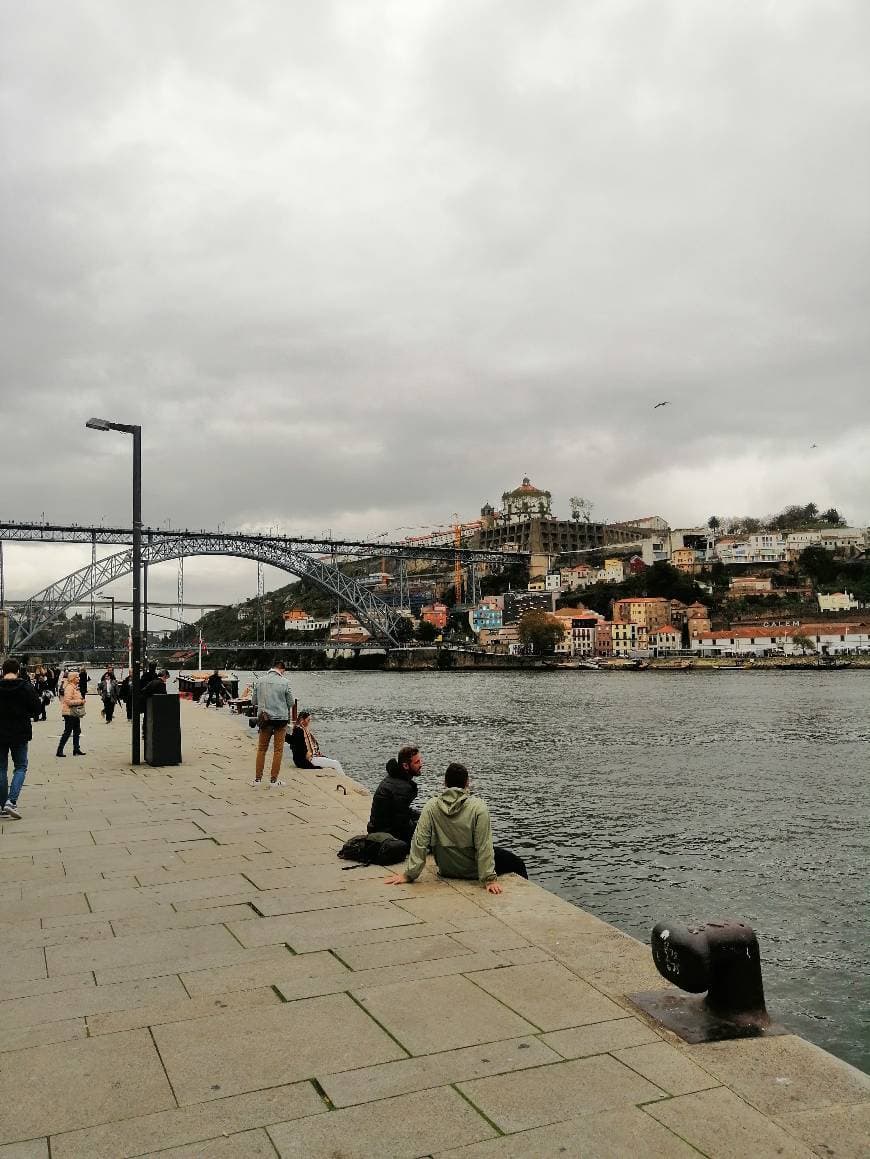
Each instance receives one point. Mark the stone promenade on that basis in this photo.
(188, 970)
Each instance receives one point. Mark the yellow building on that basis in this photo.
(684, 559)
(648, 611)
(629, 638)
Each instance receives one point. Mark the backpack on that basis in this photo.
(374, 849)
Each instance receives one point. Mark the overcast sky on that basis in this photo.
(362, 265)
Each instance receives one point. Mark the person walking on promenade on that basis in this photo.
(108, 690)
(125, 694)
(84, 681)
(392, 800)
(72, 707)
(457, 828)
(273, 701)
(18, 705)
(305, 749)
(40, 685)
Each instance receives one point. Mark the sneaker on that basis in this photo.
(256, 782)
(277, 784)
(10, 810)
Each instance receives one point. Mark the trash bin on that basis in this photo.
(163, 730)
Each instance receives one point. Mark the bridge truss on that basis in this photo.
(297, 556)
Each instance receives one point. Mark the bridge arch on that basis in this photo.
(44, 606)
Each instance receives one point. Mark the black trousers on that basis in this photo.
(72, 727)
(109, 707)
(507, 862)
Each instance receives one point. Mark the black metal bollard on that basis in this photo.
(721, 958)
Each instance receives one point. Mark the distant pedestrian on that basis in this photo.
(84, 680)
(125, 694)
(72, 707)
(216, 690)
(155, 687)
(18, 703)
(108, 690)
(306, 750)
(41, 687)
(273, 701)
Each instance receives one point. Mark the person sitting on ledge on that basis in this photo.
(457, 828)
(306, 750)
(391, 803)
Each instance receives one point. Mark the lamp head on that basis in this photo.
(99, 424)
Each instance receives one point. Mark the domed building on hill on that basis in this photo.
(526, 524)
(525, 501)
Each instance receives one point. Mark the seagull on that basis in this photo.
(658, 404)
(813, 446)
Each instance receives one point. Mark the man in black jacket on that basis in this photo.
(18, 705)
(391, 804)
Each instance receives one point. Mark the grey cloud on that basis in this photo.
(365, 266)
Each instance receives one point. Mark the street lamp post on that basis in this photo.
(136, 631)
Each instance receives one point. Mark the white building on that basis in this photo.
(825, 639)
(838, 602)
(660, 546)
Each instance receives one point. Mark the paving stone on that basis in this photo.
(31, 906)
(180, 1011)
(548, 994)
(442, 903)
(441, 1014)
(34, 1149)
(834, 1132)
(268, 1047)
(667, 1067)
(297, 976)
(139, 948)
(721, 1125)
(385, 955)
(274, 902)
(153, 831)
(601, 1037)
(604, 1135)
(416, 1074)
(318, 930)
(89, 1000)
(175, 1128)
(783, 1074)
(45, 985)
(391, 935)
(404, 1127)
(20, 965)
(190, 962)
(60, 936)
(95, 1080)
(21, 1037)
(495, 936)
(516, 1102)
(251, 1144)
(168, 918)
(308, 880)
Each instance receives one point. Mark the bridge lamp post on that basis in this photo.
(136, 629)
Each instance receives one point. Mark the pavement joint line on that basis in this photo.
(385, 1029)
(468, 977)
(499, 1132)
(339, 958)
(330, 1105)
(163, 1064)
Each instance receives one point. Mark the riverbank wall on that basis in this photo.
(189, 969)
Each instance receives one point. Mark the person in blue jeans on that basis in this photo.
(19, 704)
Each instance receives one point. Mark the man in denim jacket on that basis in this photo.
(273, 701)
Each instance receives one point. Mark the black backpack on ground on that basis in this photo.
(375, 849)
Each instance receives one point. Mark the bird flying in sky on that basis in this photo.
(813, 446)
(658, 404)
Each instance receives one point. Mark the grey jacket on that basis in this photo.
(272, 695)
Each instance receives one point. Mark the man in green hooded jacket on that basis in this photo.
(457, 828)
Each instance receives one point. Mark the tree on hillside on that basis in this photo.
(819, 564)
(832, 516)
(541, 631)
(714, 522)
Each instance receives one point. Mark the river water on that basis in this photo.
(648, 796)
